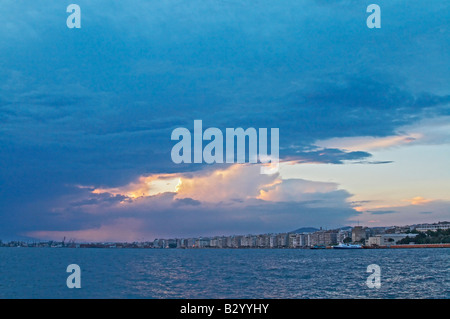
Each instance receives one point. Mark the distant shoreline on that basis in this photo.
(109, 246)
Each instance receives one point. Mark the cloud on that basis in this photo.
(186, 201)
(418, 200)
(235, 182)
(328, 156)
(429, 131)
(368, 143)
(145, 186)
(381, 212)
(233, 200)
(406, 214)
(373, 162)
(100, 198)
(298, 190)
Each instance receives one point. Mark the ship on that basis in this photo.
(347, 246)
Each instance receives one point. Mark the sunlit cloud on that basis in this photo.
(417, 200)
(434, 130)
(145, 186)
(295, 190)
(236, 182)
(412, 211)
(369, 143)
(237, 198)
(380, 207)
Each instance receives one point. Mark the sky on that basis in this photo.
(87, 115)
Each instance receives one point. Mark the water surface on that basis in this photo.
(224, 273)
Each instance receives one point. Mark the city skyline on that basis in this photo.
(87, 114)
(305, 237)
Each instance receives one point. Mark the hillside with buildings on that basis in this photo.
(368, 236)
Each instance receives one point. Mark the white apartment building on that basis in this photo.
(387, 239)
(432, 227)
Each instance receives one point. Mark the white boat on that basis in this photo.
(347, 246)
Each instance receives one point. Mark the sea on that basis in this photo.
(224, 273)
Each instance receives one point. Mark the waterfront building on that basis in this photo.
(191, 242)
(387, 239)
(213, 242)
(292, 240)
(302, 240)
(358, 234)
(343, 234)
(272, 241)
(282, 240)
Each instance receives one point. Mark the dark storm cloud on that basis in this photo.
(373, 162)
(186, 201)
(330, 156)
(96, 199)
(381, 212)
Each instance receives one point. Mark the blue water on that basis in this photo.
(224, 273)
